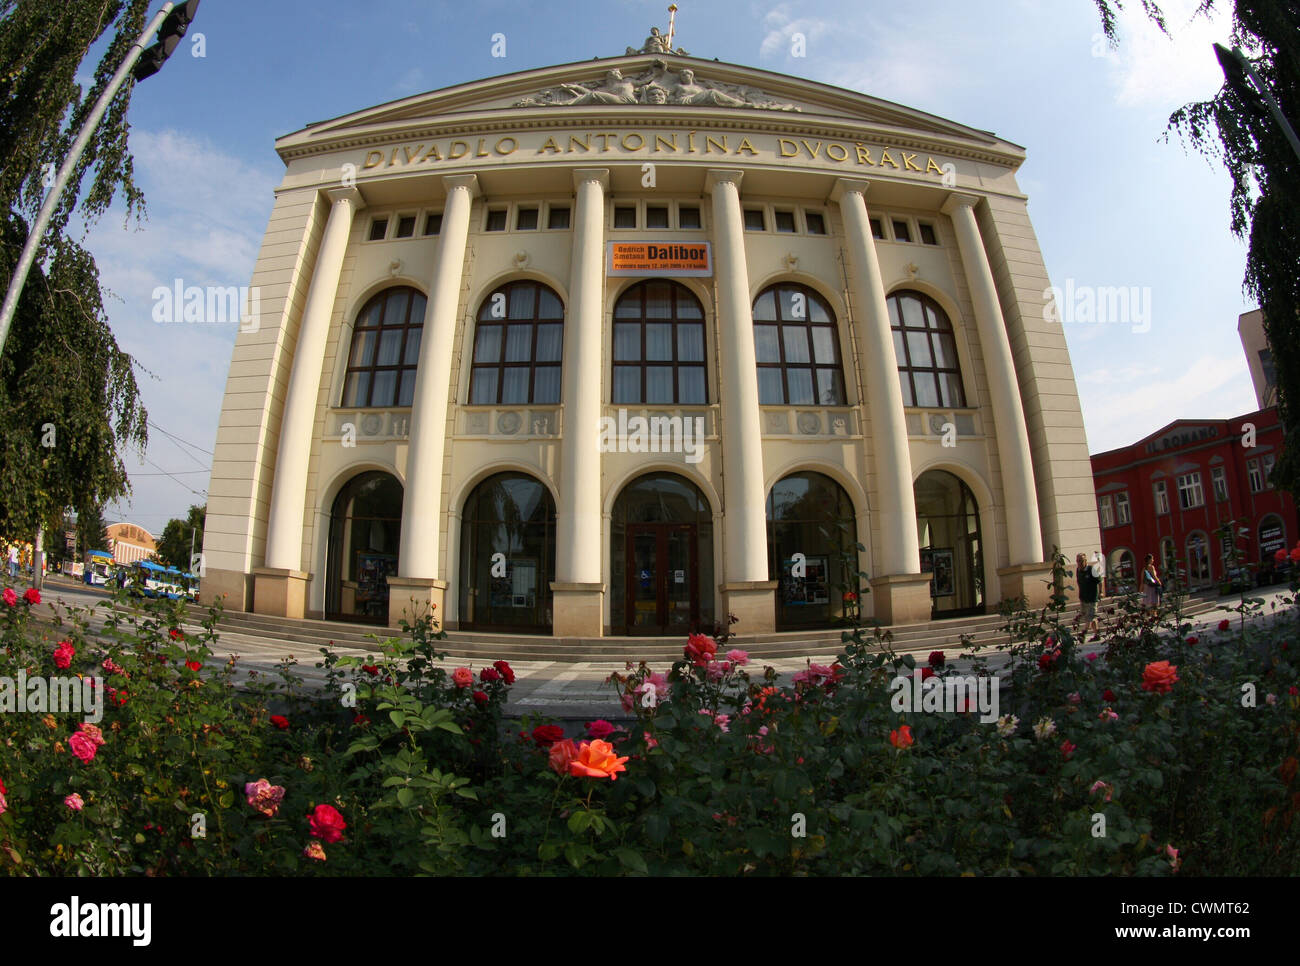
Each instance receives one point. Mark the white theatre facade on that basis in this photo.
(625, 346)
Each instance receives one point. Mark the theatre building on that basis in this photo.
(1168, 494)
(623, 346)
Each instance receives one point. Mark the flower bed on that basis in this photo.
(1154, 752)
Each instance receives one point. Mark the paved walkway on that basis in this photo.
(551, 688)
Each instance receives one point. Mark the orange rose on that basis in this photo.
(596, 759)
(563, 752)
(1159, 676)
(902, 738)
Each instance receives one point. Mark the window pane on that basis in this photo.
(690, 343)
(526, 220)
(918, 344)
(912, 316)
(356, 388)
(795, 338)
(496, 220)
(656, 216)
(816, 223)
(550, 343)
(895, 320)
(624, 217)
(407, 392)
(766, 348)
(557, 217)
(487, 344)
(899, 349)
(385, 388)
(823, 344)
(658, 384)
(928, 236)
(433, 224)
(627, 384)
(901, 233)
(514, 386)
(799, 382)
(378, 229)
(754, 219)
(785, 221)
(816, 311)
(363, 348)
(546, 384)
(770, 390)
(765, 307)
(522, 302)
(406, 226)
(927, 393)
(658, 301)
(390, 347)
(629, 306)
(690, 383)
(905, 386)
(627, 342)
(877, 230)
(688, 217)
(945, 351)
(395, 309)
(687, 307)
(952, 390)
(830, 387)
(484, 389)
(659, 342)
(548, 305)
(519, 339)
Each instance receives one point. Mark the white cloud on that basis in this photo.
(1150, 69)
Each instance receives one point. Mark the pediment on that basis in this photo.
(635, 89)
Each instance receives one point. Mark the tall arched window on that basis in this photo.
(659, 346)
(364, 545)
(507, 554)
(810, 515)
(797, 349)
(928, 371)
(385, 350)
(517, 347)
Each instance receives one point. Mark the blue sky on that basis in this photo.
(1112, 203)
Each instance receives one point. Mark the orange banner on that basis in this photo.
(660, 258)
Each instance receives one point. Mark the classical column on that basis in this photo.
(899, 594)
(280, 587)
(1024, 535)
(748, 592)
(578, 605)
(418, 583)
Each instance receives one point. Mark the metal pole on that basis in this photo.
(1274, 108)
(37, 232)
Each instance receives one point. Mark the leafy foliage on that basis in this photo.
(173, 547)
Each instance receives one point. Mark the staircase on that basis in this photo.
(337, 635)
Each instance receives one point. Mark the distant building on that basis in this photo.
(1259, 357)
(1168, 493)
(129, 543)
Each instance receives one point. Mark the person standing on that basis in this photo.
(1089, 592)
(1151, 585)
(13, 560)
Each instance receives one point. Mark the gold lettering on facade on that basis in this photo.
(783, 143)
(433, 155)
(393, 160)
(690, 143)
(604, 139)
(907, 162)
(373, 158)
(640, 141)
(930, 165)
(453, 153)
(550, 145)
(412, 152)
(886, 159)
(832, 148)
(744, 145)
(864, 155)
(585, 144)
(812, 152)
(513, 145)
(662, 143)
(482, 151)
(711, 142)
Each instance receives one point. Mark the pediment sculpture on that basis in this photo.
(658, 84)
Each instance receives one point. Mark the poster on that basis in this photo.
(941, 584)
(810, 589)
(373, 571)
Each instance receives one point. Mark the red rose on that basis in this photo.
(1047, 660)
(11, 599)
(480, 697)
(175, 634)
(1280, 556)
(1295, 554)
(505, 670)
(927, 673)
(1159, 677)
(1224, 624)
(1193, 640)
(1067, 749)
(32, 595)
(63, 655)
(936, 659)
(1108, 695)
(360, 720)
(547, 735)
(326, 823)
(280, 721)
(600, 729)
(700, 648)
(489, 674)
(371, 669)
(194, 665)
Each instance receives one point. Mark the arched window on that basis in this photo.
(364, 547)
(928, 371)
(385, 350)
(797, 349)
(952, 549)
(659, 346)
(517, 347)
(1198, 557)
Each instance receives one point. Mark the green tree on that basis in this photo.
(68, 397)
(173, 547)
(92, 534)
(1265, 173)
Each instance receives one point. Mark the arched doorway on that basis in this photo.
(507, 555)
(952, 551)
(364, 535)
(661, 549)
(811, 550)
(1198, 558)
(1122, 567)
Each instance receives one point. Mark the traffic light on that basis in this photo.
(169, 36)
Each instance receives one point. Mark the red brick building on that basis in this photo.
(1167, 494)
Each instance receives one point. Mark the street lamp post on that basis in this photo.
(170, 22)
(1237, 69)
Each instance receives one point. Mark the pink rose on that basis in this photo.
(63, 655)
(93, 733)
(264, 796)
(81, 746)
(463, 677)
(74, 802)
(11, 599)
(314, 850)
(599, 729)
(738, 657)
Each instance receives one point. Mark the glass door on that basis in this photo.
(662, 582)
